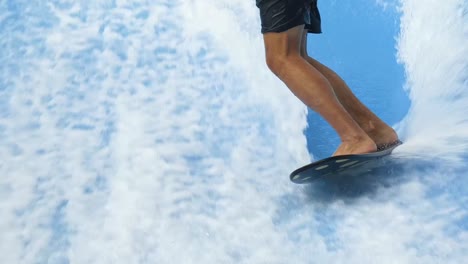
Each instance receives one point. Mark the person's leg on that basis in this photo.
(283, 54)
(381, 133)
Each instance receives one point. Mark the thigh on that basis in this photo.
(284, 43)
(303, 47)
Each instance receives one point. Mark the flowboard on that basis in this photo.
(344, 164)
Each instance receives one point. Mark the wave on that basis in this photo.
(432, 47)
(142, 132)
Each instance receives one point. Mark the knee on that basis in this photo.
(276, 63)
(282, 64)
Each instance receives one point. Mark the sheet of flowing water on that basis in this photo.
(152, 132)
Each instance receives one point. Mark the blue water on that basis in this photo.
(153, 132)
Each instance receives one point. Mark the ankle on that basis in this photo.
(356, 139)
(370, 127)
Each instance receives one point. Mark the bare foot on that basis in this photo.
(383, 137)
(357, 146)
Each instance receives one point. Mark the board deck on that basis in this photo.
(344, 164)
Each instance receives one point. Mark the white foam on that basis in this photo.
(152, 132)
(432, 46)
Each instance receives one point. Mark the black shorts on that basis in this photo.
(281, 15)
